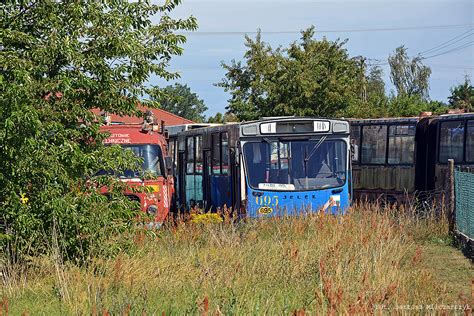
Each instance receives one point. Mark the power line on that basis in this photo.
(462, 67)
(461, 47)
(448, 43)
(388, 29)
(465, 45)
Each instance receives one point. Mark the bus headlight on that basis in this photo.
(152, 209)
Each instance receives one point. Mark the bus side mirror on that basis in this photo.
(169, 165)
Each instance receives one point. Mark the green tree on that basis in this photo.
(409, 75)
(373, 101)
(58, 60)
(413, 105)
(230, 117)
(462, 95)
(226, 118)
(375, 84)
(309, 78)
(218, 118)
(179, 100)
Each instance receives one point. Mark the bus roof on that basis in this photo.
(384, 120)
(293, 125)
(175, 129)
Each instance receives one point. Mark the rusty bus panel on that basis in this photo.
(436, 140)
(379, 182)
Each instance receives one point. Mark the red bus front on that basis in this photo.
(157, 187)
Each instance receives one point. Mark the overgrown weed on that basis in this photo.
(316, 263)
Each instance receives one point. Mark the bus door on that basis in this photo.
(235, 178)
(207, 179)
(181, 181)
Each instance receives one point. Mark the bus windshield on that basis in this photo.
(295, 164)
(152, 159)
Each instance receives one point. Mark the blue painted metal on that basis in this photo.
(221, 191)
(265, 203)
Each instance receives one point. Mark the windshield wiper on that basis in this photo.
(313, 151)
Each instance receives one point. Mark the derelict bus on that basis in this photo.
(172, 135)
(274, 166)
(398, 159)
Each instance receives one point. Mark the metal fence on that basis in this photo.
(464, 191)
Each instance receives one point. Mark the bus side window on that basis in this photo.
(339, 157)
(198, 145)
(274, 157)
(190, 155)
(355, 143)
(216, 154)
(374, 144)
(172, 146)
(283, 155)
(225, 153)
(401, 144)
(470, 141)
(451, 141)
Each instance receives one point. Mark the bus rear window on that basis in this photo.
(374, 144)
(401, 144)
(451, 141)
(470, 141)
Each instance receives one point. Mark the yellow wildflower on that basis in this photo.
(23, 198)
(206, 218)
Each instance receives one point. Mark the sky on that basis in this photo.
(374, 28)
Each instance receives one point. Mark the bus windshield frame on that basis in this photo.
(295, 164)
(152, 156)
(154, 166)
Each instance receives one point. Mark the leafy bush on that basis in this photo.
(60, 59)
(394, 106)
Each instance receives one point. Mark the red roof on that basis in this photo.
(160, 115)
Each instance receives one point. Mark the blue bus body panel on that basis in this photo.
(221, 189)
(264, 203)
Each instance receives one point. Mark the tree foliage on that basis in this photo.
(462, 95)
(375, 103)
(180, 100)
(413, 105)
(60, 59)
(217, 118)
(309, 78)
(375, 85)
(220, 118)
(409, 76)
(318, 78)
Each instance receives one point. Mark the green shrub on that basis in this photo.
(60, 59)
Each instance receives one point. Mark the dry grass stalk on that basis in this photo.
(296, 265)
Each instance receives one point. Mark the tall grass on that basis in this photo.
(320, 263)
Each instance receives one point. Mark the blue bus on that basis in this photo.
(270, 167)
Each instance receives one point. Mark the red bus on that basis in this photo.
(147, 141)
